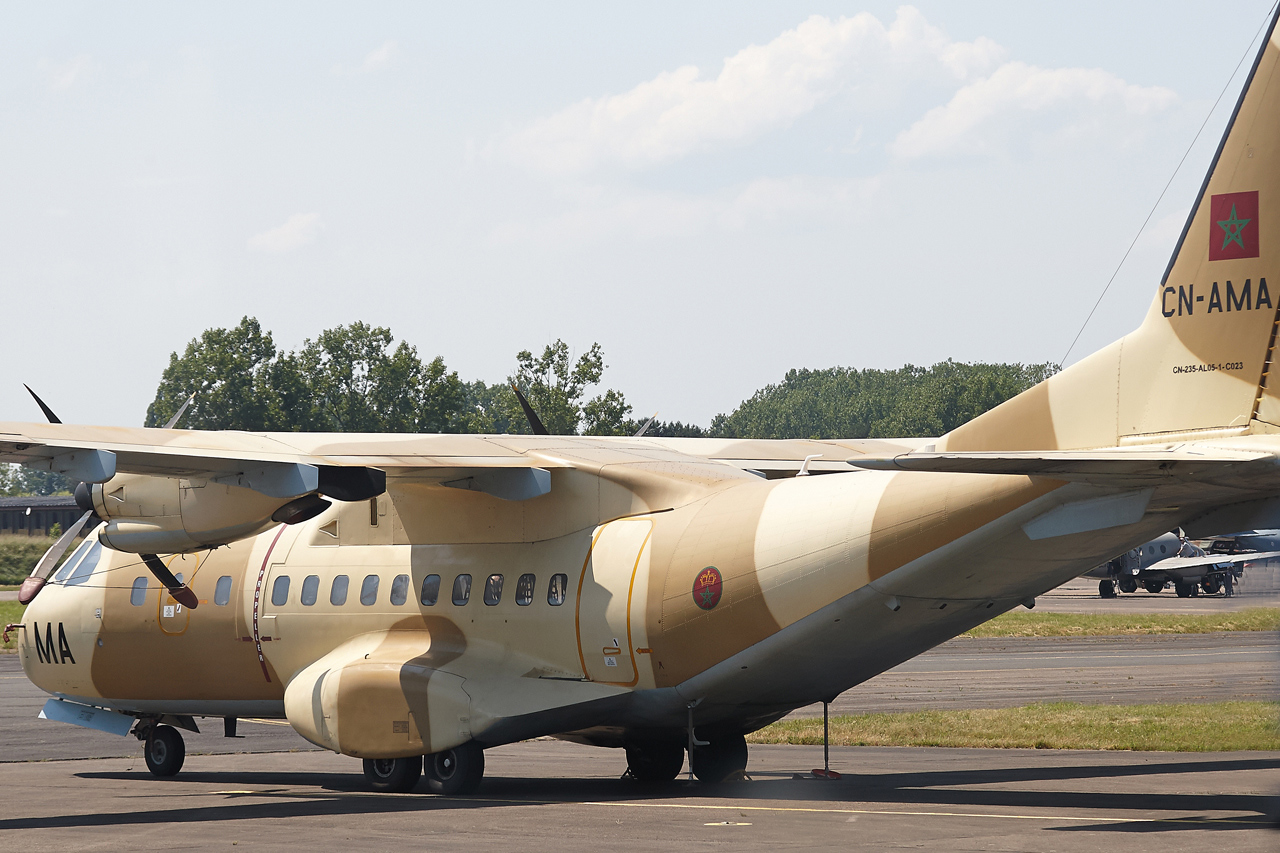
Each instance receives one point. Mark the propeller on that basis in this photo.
(645, 426)
(173, 421)
(181, 592)
(48, 412)
(534, 423)
(39, 576)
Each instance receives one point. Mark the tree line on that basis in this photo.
(358, 378)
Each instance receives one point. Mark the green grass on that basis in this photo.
(1185, 727)
(10, 611)
(19, 555)
(1022, 623)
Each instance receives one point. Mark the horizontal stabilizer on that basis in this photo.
(1144, 465)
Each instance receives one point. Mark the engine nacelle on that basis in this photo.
(378, 696)
(162, 515)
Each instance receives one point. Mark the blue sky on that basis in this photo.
(716, 192)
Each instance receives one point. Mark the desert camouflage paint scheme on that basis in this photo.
(694, 572)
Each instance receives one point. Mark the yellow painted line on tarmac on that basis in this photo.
(265, 722)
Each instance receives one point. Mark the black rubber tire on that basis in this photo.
(1184, 590)
(164, 751)
(1153, 586)
(1107, 588)
(455, 772)
(723, 760)
(655, 761)
(1211, 586)
(393, 775)
(1128, 583)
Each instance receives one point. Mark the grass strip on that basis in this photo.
(1180, 727)
(1024, 623)
(10, 611)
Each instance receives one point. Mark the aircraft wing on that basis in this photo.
(1119, 466)
(1170, 563)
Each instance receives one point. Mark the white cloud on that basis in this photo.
(299, 230)
(376, 60)
(969, 122)
(62, 77)
(760, 88)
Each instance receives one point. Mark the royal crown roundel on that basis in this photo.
(707, 587)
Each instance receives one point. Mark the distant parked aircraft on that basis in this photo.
(1174, 559)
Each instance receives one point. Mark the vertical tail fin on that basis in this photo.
(1201, 363)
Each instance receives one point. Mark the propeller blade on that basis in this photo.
(181, 592)
(48, 412)
(33, 583)
(534, 423)
(173, 421)
(645, 426)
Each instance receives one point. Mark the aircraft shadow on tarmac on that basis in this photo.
(333, 795)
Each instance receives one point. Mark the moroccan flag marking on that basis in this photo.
(1233, 226)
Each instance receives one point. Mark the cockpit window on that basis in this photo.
(86, 565)
(74, 560)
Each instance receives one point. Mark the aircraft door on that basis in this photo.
(604, 600)
(171, 616)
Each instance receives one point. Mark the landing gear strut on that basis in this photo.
(164, 750)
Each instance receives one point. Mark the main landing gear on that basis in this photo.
(163, 749)
(655, 761)
(454, 772)
(1107, 588)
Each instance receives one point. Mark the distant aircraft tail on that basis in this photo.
(1204, 362)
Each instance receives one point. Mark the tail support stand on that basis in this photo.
(826, 772)
(693, 740)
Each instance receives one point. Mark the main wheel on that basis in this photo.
(1184, 590)
(1128, 583)
(1107, 588)
(1211, 586)
(723, 760)
(1153, 586)
(655, 761)
(392, 775)
(164, 751)
(456, 771)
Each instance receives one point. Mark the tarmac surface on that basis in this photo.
(547, 794)
(73, 788)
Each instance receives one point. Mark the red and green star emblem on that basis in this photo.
(1233, 228)
(707, 587)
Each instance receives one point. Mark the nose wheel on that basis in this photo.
(164, 751)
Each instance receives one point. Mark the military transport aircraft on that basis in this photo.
(1172, 558)
(402, 596)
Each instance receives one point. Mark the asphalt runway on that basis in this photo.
(552, 795)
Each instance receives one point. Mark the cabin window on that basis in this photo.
(138, 595)
(430, 590)
(369, 590)
(222, 591)
(556, 589)
(493, 590)
(461, 589)
(400, 590)
(524, 590)
(338, 592)
(310, 587)
(280, 591)
(87, 564)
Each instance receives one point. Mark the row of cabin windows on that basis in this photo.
(428, 595)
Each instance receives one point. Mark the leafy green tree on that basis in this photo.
(555, 389)
(16, 480)
(911, 401)
(226, 369)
